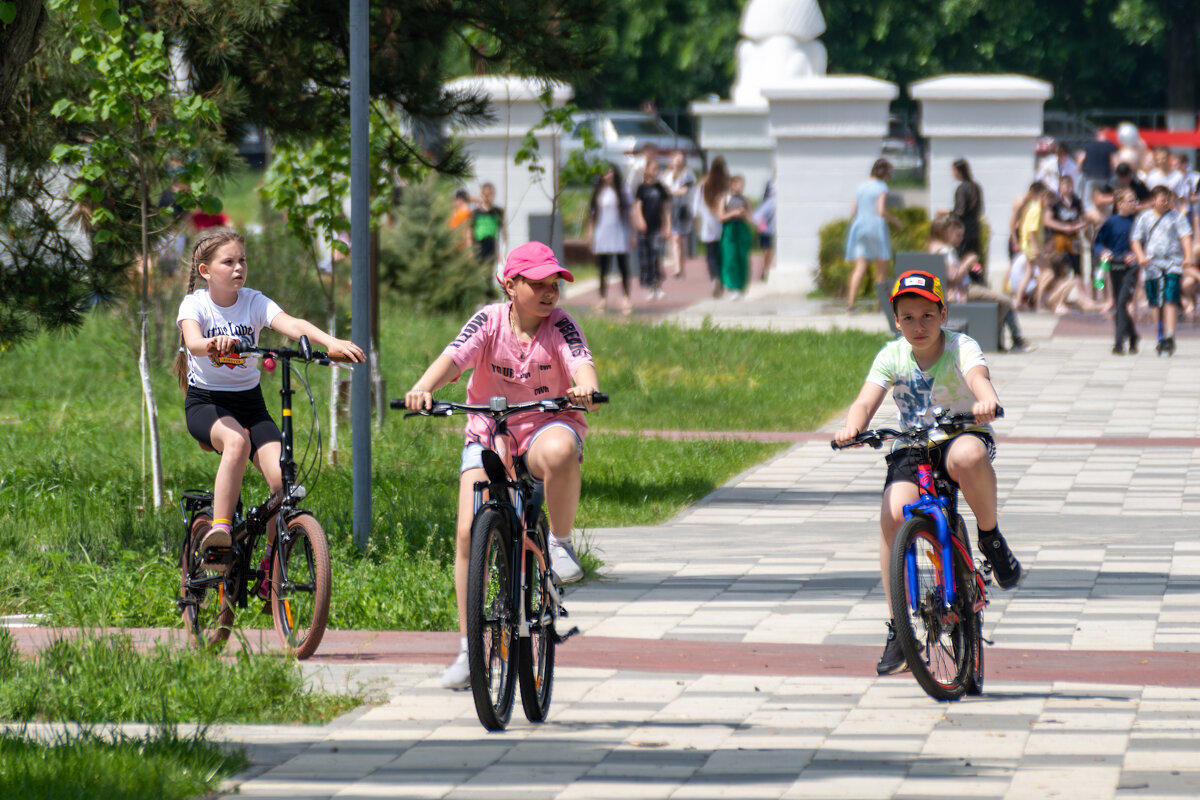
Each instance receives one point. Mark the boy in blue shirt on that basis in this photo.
(928, 368)
(1113, 246)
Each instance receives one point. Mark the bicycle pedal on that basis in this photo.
(559, 638)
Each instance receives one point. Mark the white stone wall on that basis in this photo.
(993, 122)
(740, 134)
(517, 109)
(827, 132)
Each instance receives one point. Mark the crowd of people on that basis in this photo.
(653, 212)
(1123, 247)
(1135, 217)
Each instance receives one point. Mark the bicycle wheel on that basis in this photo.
(535, 662)
(934, 638)
(490, 618)
(207, 612)
(300, 580)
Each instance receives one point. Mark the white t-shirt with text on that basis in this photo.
(250, 313)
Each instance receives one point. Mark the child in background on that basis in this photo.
(1113, 248)
(736, 239)
(224, 406)
(652, 220)
(1162, 242)
(522, 348)
(486, 221)
(930, 367)
(945, 236)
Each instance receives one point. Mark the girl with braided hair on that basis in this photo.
(224, 406)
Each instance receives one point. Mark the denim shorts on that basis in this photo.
(472, 453)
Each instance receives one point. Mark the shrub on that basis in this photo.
(425, 261)
(833, 270)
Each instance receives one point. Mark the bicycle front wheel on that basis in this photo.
(300, 584)
(934, 638)
(207, 611)
(535, 666)
(491, 645)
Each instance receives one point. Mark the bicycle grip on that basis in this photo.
(599, 397)
(396, 402)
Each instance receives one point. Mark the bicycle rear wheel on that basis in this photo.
(934, 638)
(491, 645)
(300, 584)
(535, 664)
(207, 611)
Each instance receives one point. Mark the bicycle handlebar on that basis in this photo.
(499, 407)
(945, 422)
(305, 353)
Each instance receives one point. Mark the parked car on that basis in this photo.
(902, 147)
(620, 135)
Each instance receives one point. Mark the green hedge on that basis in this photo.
(833, 270)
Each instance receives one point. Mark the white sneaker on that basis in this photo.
(458, 674)
(564, 563)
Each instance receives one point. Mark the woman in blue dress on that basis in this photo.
(869, 239)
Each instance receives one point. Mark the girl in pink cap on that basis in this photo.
(522, 348)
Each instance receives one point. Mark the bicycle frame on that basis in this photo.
(938, 508)
(248, 527)
(515, 493)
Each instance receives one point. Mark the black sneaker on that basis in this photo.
(1005, 567)
(892, 660)
(1133, 343)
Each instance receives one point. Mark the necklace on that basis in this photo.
(516, 329)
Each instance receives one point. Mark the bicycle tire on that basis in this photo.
(491, 648)
(300, 602)
(934, 640)
(207, 612)
(535, 661)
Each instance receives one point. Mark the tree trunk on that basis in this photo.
(1182, 32)
(18, 43)
(151, 418)
(144, 355)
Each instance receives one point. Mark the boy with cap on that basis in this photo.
(928, 368)
(522, 348)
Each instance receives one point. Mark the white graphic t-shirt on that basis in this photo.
(918, 392)
(252, 312)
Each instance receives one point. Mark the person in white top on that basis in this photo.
(1165, 174)
(224, 405)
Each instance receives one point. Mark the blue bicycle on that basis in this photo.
(938, 589)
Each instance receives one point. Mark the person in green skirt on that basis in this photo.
(736, 239)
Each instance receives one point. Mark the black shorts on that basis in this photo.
(902, 463)
(204, 407)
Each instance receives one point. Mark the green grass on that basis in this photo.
(102, 677)
(159, 766)
(80, 542)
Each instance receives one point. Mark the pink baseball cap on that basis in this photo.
(535, 261)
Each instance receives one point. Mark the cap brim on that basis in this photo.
(545, 271)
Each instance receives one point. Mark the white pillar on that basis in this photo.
(993, 122)
(827, 134)
(739, 133)
(516, 108)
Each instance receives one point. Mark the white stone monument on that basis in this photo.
(525, 197)
(779, 44)
(827, 133)
(993, 122)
